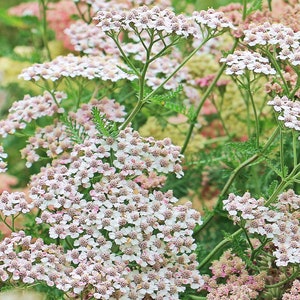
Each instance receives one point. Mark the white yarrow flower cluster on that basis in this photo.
(277, 35)
(89, 67)
(289, 111)
(279, 224)
(240, 61)
(30, 108)
(161, 20)
(212, 19)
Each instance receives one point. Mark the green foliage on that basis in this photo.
(254, 6)
(167, 101)
(239, 247)
(75, 131)
(104, 126)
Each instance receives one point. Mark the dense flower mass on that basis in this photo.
(54, 139)
(160, 20)
(280, 224)
(289, 111)
(74, 66)
(30, 108)
(240, 61)
(92, 198)
(212, 19)
(231, 280)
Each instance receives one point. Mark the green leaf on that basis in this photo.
(105, 127)
(74, 130)
(167, 100)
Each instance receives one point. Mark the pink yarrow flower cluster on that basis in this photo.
(294, 293)
(280, 224)
(289, 111)
(240, 61)
(14, 203)
(231, 280)
(87, 38)
(89, 67)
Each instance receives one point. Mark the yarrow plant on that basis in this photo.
(106, 205)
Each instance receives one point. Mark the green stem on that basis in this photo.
(141, 102)
(281, 154)
(43, 11)
(283, 282)
(235, 173)
(205, 96)
(244, 9)
(278, 70)
(254, 111)
(218, 247)
(283, 184)
(295, 142)
(128, 62)
(197, 297)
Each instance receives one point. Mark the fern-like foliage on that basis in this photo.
(75, 131)
(105, 127)
(239, 246)
(167, 100)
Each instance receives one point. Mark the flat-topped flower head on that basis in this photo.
(87, 38)
(279, 224)
(240, 61)
(89, 67)
(271, 34)
(212, 19)
(160, 20)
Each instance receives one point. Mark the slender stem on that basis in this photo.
(235, 173)
(278, 284)
(205, 96)
(128, 62)
(218, 247)
(283, 184)
(281, 155)
(43, 11)
(295, 142)
(244, 9)
(249, 92)
(278, 70)
(141, 102)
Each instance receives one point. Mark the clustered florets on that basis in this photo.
(73, 66)
(240, 61)
(31, 108)
(230, 279)
(280, 224)
(294, 293)
(128, 242)
(3, 164)
(54, 139)
(163, 20)
(212, 19)
(289, 111)
(276, 35)
(87, 38)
